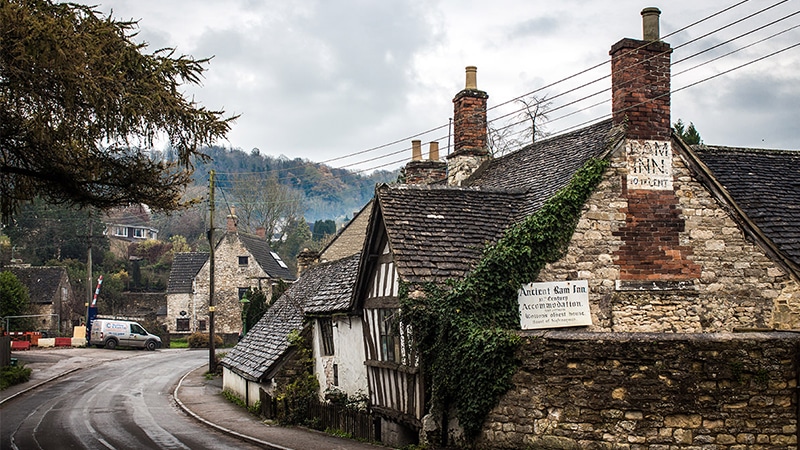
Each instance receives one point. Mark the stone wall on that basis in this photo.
(582, 390)
(728, 283)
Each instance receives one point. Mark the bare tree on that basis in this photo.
(523, 126)
(262, 201)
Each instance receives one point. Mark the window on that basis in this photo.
(389, 338)
(326, 335)
(182, 325)
(335, 374)
(136, 329)
(242, 291)
(279, 260)
(201, 325)
(120, 231)
(243, 260)
(138, 233)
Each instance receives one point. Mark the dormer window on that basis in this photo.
(243, 260)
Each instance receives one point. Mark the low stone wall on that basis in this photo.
(581, 390)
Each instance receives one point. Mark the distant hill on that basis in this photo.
(329, 193)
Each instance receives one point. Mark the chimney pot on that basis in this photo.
(472, 78)
(650, 26)
(416, 150)
(433, 152)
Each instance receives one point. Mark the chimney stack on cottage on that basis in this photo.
(306, 259)
(232, 221)
(419, 171)
(651, 251)
(640, 82)
(469, 131)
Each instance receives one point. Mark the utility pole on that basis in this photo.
(212, 357)
(89, 276)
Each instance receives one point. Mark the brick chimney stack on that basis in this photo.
(419, 171)
(651, 255)
(640, 82)
(232, 220)
(469, 131)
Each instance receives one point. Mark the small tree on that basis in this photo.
(14, 297)
(256, 308)
(688, 134)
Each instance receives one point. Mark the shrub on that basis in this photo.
(200, 340)
(11, 375)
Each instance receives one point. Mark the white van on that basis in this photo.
(110, 333)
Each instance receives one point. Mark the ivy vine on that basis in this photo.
(465, 332)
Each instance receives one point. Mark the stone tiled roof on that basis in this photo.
(541, 169)
(42, 282)
(437, 232)
(263, 254)
(765, 184)
(264, 345)
(324, 288)
(185, 266)
(335, 282)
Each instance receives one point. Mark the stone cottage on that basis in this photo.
(51, 297)
(242, 261)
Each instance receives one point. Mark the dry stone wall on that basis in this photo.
(632, 391)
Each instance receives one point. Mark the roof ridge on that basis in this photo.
(725, 148)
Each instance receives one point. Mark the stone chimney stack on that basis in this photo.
(305, 260)
(232, 220)
(469, 131)
(419, 171)
(640, 82)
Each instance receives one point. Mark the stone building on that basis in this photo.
(51, 297)
(241, 262)
(683, 266)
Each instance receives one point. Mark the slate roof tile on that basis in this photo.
(185, 266)
(766, 185)
(266, 258)
(42, 282)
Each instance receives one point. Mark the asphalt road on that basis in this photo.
(120, 403)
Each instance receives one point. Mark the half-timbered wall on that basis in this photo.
(392, 371)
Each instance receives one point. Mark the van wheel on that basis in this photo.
(111, 344)
(150, 345)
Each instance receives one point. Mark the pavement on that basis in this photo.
(198, 396)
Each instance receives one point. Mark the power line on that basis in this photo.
(560, 81)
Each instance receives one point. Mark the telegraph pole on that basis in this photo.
(212, 357)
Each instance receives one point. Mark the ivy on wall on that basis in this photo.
(465, 333)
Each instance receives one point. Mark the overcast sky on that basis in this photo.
(324, 79)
